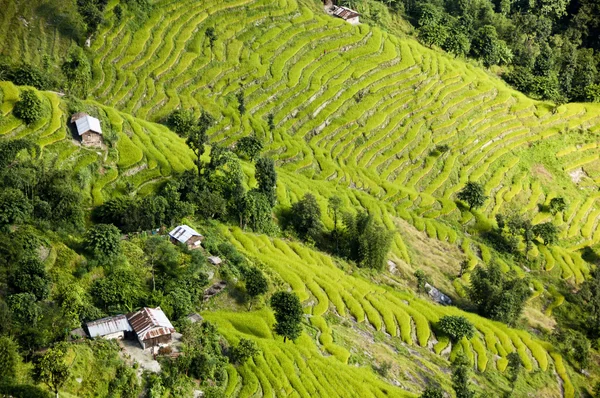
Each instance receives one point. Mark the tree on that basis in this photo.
(432, 392)
(547, 231)
(574, 345)
(249, 146)
(15, 208)
(374, 242)
(211, 35)
(334, 205)
(590, 292)
(10, 359)
(30, 276)
(256, 284)
(103, 241)
(91, 12)
(514, 367)
(24, 308)
(288, 314)
(456, 327)
(241, 102)
(306, 217)
(198, 138)
(557, 205)
(266, 177)
(497, 295)
(460, 378)
(179, 303)
(78, 72)
(489, 48)
(181, 121)
(245, 350)
(29, 108)
(213, 204)
(121, 290)
(271, 122)
(473, 194)
(51, 368)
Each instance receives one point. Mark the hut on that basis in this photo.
(186, 235)
(88, 129)
(112, 327)
(151, 327)
(346, 14)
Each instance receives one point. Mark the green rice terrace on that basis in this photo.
(380, 121)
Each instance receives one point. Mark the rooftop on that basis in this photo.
(108, 325)
(87, 123)
(183, 233)
(148, 323)
(345, 12)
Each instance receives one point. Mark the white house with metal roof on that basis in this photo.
(88, 128)
(347, 14)
(112, 327)
(151, 326)
(186, 235)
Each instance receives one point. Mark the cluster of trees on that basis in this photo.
(550, 46)
(33, 192)
(355, 236)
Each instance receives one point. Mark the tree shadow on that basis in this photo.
(63, 22)
(589, 255)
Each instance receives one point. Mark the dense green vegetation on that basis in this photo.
(333, 168)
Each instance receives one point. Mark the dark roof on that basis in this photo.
(149, 323)
(345, 12)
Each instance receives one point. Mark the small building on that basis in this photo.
(88, 128)
(151, 327)
(112, 327)
(214, 260)
(437, 296)
(186, 235)
(346, 14)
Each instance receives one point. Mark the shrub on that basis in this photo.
(181, 121)
(456, 327)
(245, 350)
(29, 108)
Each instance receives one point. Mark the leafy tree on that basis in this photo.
(10, 149)
(24, 308)
(271, 122)
(28, 75)
(547, 231)
(433, 35)
(288, 314)
(241, 102)
(30, 276)
(497, 295)
(432, 392)
(460, 378)
(334, 206)
(15, 208)
(365, 241)
(514, 367)
(489, 48)
(590, 292)
(103, 241)
(422, 279)
(473, 194)
(51, 369)
(457, 42)
(121, 289)
(306, 217)
(78, 72)
(266, 177)
(557, 205)
(211, 35)
(456, 327)
(198, 138)
(213, 204)
(249, 146)
(91, 12)
(256, 284)
(10, 359)
(254, 209)
(245, 350)
(29, 108)
(179, 303)
(181, 121)
(574, 345)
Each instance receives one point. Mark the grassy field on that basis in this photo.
(358, 113)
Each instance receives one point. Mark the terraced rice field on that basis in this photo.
(360, 108)
(325, 289)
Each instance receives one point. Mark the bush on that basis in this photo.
(245, 350)
(29, 108)
(181, 121)
(456, 327)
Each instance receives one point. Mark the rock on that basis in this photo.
(437, 296)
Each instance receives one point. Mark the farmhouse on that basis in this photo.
(88, 128)
(112, 327)
(186, 235)
(151, 327)
(346, 14)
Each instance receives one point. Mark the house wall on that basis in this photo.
(155, 342)
(191, 243)
(116, 335)
(353, 21)
(91, 139)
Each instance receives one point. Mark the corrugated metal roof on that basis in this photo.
(109, 325)
(345, 12)
(183, 233)
(149, 323)
(88, 123)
